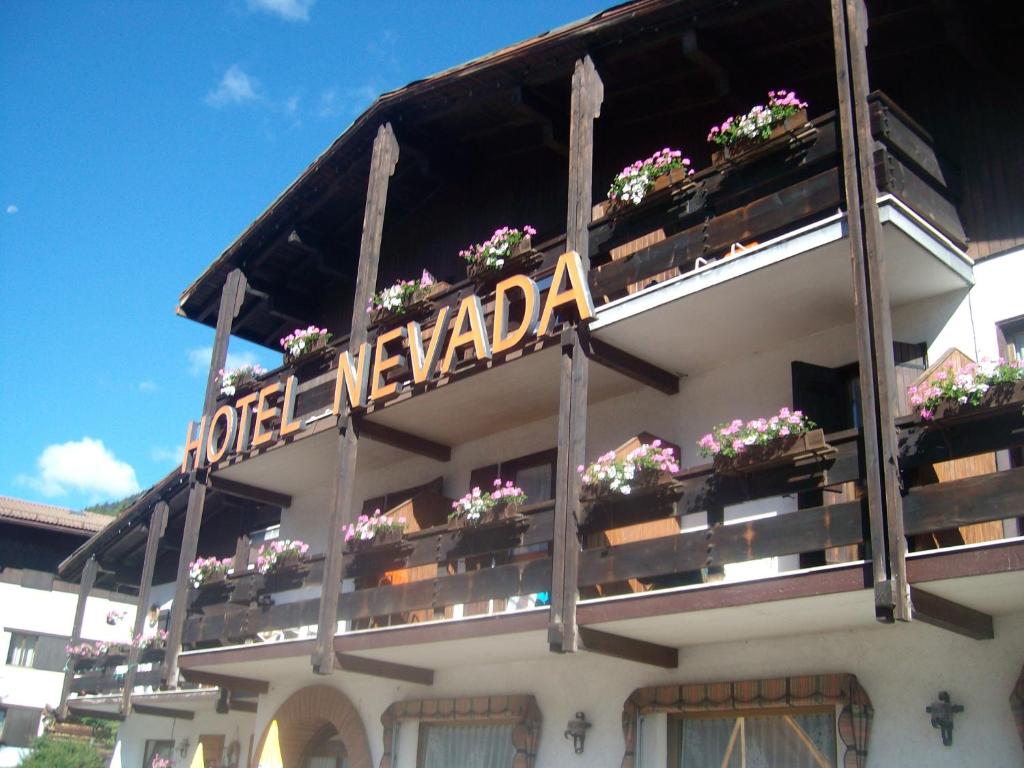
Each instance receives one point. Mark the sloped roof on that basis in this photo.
(48, 516)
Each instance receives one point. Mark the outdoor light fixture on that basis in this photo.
(942, 712)
(577, 731)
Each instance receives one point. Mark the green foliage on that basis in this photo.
(113, 508)
(47, 752)
(104, 732)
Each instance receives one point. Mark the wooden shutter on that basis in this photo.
(21, 726)
(50, 654)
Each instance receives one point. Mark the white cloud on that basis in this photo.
(165, 455)
(289, 10)
(12, 209)
(85, 466)
(148, 387)
(235, 87)
(199, 360)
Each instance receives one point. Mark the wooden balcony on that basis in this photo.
(106, 674)
(445, 575)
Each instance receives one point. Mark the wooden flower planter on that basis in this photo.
(521, 260)
(421, 307)
(115, 655)
(746, 151)
(82, 663)
(998, 398)
(676, 177)
(384, 541)
(153, 653)
(311, 355)
(499, 516)
(782, 451)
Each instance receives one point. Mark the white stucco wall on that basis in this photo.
(902, 667)
(134, 731)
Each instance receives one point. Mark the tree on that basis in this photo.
(47, 752)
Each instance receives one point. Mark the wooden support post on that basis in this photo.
(250, 492)
(640, 651)
(629, 365)
(943, 613)
(389, 669)
(157, 527)
(382, 167)
(84, 588)
(587, 97)
(872, 316)
(231, 299)
(404, 440)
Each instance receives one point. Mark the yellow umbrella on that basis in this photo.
(197, 759)
(271, 755)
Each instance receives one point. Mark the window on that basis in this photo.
(1011, 339)
(465, 745)
(258, 538)
(534, 473)
(3, 719)
(22, 651)
(157, 748)
(755, 739)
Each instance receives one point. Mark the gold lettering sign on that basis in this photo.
(362, 374)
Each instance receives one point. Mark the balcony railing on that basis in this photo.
(105, 674)
(795, 180)
(446, 574)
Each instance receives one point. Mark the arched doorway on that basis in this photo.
(318, 727)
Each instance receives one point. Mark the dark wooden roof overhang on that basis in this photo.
(306, 242)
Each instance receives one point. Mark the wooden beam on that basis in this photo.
(343, 509)
(97, 713)
(148, 709)
(587, 97)
(620, 647)
(229, 682)
(364, 666)
(406, 441)
(157, 527)
(250, 492)
(629, 365)
(872, 315)
(943, 613)
(85, 585)
(231, 299)
(243, 706)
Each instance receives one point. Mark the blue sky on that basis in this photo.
(137, 139)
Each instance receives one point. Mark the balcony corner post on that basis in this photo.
(157, 527)
(587, 97)
(231, 298)
(382, 167)
(85, 585)
(872, 316)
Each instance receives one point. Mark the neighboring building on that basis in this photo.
(37, 614)
(800, 611)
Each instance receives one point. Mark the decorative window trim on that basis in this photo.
(522, 711)
(842, 690)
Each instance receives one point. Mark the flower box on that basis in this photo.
(998, 397)
(384, 540)
(780, 451)
(750, 149)
(313, 353)
(496, 517)
(522, 259)
(421, 307)
(681, 177)
(634, 452)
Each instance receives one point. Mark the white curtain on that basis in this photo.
(467, 746)
(772, 741)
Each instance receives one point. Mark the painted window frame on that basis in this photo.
(12, 646)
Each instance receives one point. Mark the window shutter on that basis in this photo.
(21, 726)
(50, 654)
